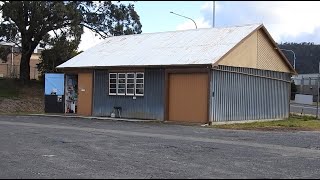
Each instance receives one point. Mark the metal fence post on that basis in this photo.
(7, 71)
(318, 93)
(302, 85)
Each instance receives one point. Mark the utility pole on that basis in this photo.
(11, 69)
(213, 13)
(318, 92)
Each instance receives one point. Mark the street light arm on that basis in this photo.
(294, 57)
(185, 17)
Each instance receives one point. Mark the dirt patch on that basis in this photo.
(32, 105)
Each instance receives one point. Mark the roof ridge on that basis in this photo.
(176, 31)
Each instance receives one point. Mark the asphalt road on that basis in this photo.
(304, 108)
(52, 147)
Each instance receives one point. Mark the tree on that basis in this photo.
(293, 90)
(307, 56)
(27, 23)
(4, 52)
(293, 87)
(61, 49)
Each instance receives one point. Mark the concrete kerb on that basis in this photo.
(244, 121)
(93, 117)
(166, 122)
(118, 119)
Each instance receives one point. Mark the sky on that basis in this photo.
(295, 21)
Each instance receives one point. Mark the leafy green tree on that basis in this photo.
(61, 49)
(27, 23)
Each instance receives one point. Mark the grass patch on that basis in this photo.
(9, 88)
(294, 122)
(13, 89)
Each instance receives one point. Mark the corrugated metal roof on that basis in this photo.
(198, 46)
(7, 43)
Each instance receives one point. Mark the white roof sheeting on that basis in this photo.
(7, 43)
(187, 47)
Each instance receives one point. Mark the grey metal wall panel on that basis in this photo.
(149, 106)
(249, 97)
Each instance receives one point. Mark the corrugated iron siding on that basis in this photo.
(149, 106)
(247, 97)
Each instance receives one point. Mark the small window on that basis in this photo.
(121, 90)
(113, 84)
(139, 84)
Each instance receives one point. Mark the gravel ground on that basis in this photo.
(52, 147)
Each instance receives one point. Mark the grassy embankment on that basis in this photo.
(16, 98)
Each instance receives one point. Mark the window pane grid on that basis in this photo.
(112, 83)
(131, 84)
(121, 90)
(139, 86)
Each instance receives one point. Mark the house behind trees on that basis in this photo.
(10, 68)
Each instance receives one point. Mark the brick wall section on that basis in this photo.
(5, 68)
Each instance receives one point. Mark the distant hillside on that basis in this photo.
(307, 56)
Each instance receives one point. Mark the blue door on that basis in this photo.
(54, 93)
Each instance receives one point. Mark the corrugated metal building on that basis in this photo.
(202, 76)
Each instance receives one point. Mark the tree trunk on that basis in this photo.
(25, 66)
(28, 47)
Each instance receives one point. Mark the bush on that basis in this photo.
(293, 90)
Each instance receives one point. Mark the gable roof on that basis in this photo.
(279, 51)
(187, 47)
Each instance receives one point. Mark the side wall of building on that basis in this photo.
(248, 94)
(149, 106)
(256, 51)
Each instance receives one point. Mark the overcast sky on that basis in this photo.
(295, 21)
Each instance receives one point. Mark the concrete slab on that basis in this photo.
(94, 117)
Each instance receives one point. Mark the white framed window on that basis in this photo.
(130, 84)
(130, 81)
(139, 86)
(121, 86)
(113, 83)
